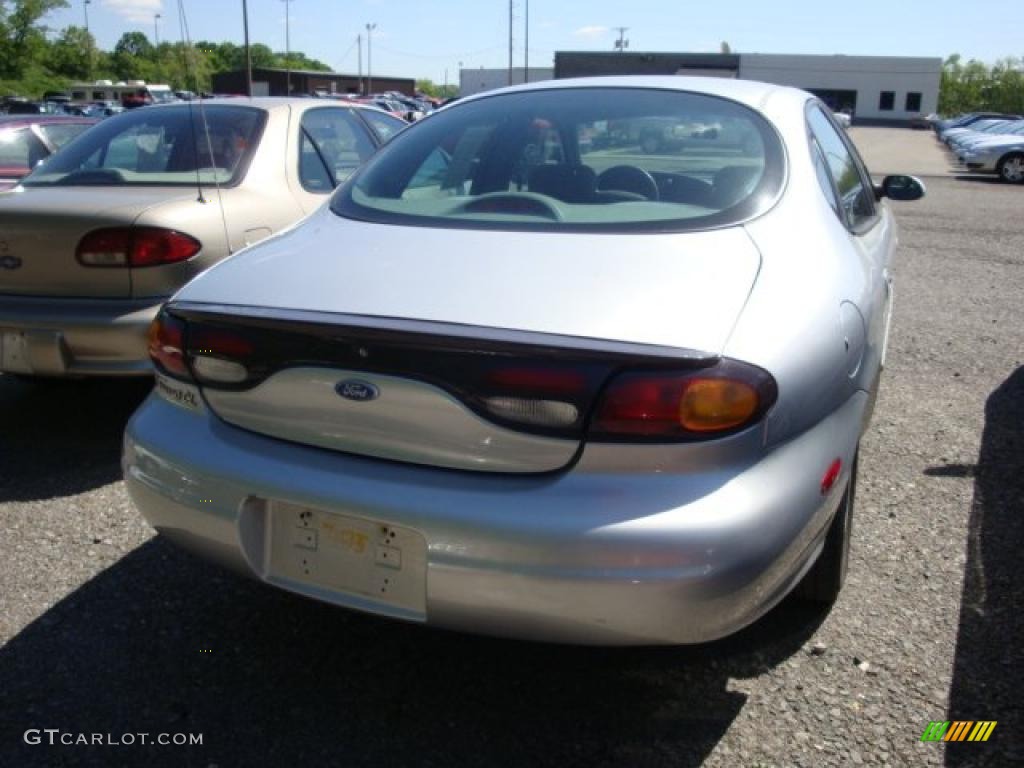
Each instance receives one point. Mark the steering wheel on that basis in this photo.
(628, 178)
(514, 203)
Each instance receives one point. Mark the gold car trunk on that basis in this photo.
(40, 229)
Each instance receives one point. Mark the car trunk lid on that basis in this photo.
(40, 228)
(466, 351)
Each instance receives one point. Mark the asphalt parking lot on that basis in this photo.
(106, 629)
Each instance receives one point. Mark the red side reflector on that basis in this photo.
(830, 476)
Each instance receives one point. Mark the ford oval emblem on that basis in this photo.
(9, 262)
(360, 391)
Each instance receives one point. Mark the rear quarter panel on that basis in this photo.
(262, 204)
(792, 323)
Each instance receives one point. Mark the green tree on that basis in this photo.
(22, 37)
(133, 57)
(73, 54)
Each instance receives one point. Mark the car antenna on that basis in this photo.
(189, 74)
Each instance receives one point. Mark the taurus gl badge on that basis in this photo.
(360, 391)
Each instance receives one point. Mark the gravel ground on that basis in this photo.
(105, 629)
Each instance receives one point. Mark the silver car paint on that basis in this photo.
(636, 543)
(593, 555)
(411, 421)
(572, 284)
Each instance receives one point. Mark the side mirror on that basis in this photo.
(900, 188)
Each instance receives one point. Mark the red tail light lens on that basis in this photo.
(667, 406)
(135, 247)
(167, 345)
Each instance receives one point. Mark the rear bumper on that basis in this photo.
(589, 556)
(75, 337)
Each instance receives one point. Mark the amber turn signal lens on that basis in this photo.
(711, 405)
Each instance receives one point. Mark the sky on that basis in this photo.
(430, 40)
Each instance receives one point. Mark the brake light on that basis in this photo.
(135, 247)
(660, 405)
(167, 345)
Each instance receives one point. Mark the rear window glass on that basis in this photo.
(577, 159)
(159, 146)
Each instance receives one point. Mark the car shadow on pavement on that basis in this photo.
(162, 642)
(988, 669)
(980, 178)
(62, 437)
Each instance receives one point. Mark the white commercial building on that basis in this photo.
(479, 80)
(873, 88)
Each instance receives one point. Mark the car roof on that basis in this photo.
(267, 103)
(749, 92)
(9, 121)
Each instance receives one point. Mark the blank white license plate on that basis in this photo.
(348, 560)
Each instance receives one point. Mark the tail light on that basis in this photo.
(135, 247)
(661, 406)
(219, 356)
(167, 345)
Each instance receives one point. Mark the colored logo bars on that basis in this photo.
(959, 730)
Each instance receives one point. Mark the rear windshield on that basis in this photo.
(588, 159)
(159, 146)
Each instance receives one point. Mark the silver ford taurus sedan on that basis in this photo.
(614, 394)
(101, 234)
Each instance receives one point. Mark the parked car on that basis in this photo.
(843, 118)
(942, 127)
(27, 140)
(993, 132)
(615, 398)
(1003, 156)
(98, 237)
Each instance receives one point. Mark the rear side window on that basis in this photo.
(581, 159)
(332, 144)
(19, 152)
(166, 146)
(850, 180)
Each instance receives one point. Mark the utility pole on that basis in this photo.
(369, 59)
(288, 45)
(85, 7)
(359, 42)
(526, 46)
(248, 52)
(622, 43)
(156, 29)
(510, 5)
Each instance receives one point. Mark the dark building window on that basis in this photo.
(913, 102)
(886, 100)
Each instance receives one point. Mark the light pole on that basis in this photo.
(287, 46)
(248, 52)
(85, 7)
(156, 29)
(369, 59)
(359, 43)
(526, 46)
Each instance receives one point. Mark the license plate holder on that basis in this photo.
(346, 559)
